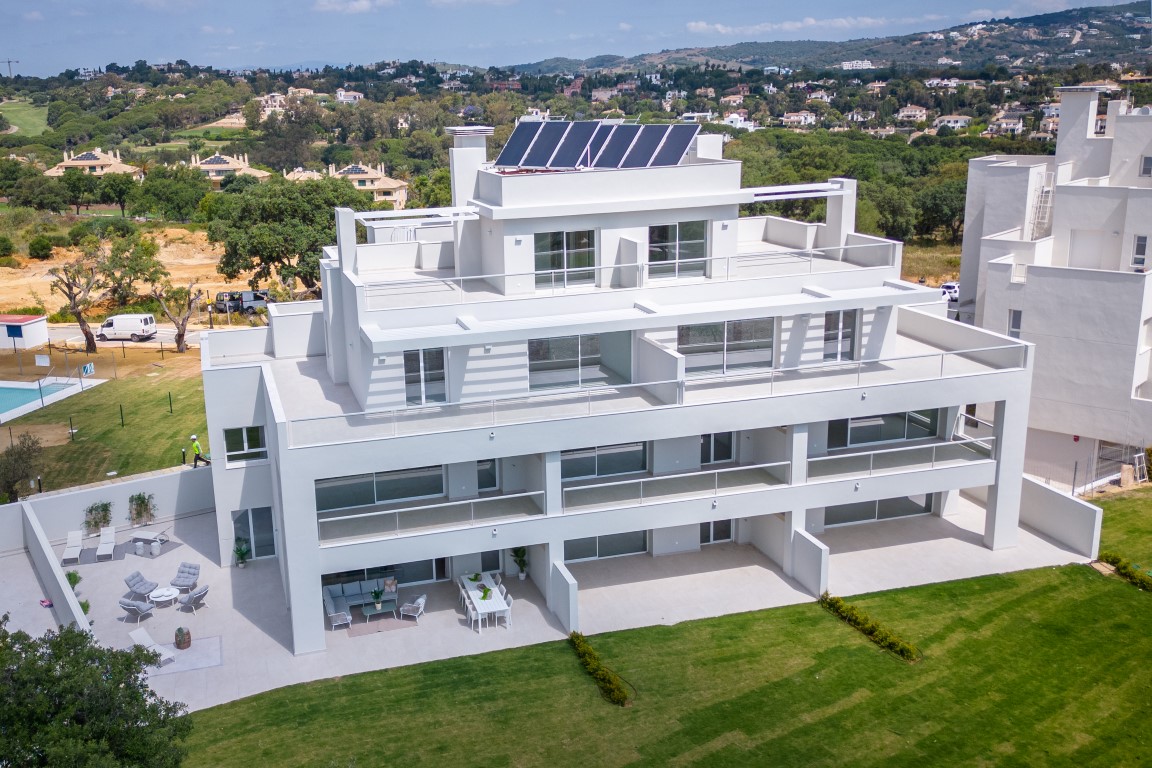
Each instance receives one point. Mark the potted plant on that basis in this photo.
(520, 557)
(377, 596)
(97, 516)
(141, 508)
(243, 551)
(74, 578)
(183, 638)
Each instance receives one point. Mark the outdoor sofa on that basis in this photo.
(339, 599)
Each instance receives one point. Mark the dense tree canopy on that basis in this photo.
(170, 191)
(69, 701)
(278, 228)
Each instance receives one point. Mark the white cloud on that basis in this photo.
(350, 6)
(208, 29)
(456, 3)
(808, 22)
(1026, 8)
(33, 16)
(624, 26)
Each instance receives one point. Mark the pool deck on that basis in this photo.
(73, 387)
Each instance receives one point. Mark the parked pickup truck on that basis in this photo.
(244, 302)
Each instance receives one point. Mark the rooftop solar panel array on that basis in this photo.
(559, 144)
(215, 160)
(86, 156)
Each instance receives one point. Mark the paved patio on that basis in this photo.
(242, 639)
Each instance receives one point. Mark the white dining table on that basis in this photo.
(494, 605)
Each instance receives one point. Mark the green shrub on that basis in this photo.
(40, 247)
(9, 262)
(61, 315)
(873, 630)
(84, 606)
(612, 686)
(74, 578)
(1128, 571)
(98, 515)
(26, 311)
(7, 247)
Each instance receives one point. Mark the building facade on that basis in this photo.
(1055, 253)
(600, 358)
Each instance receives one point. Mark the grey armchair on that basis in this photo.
(195, 599)
(186, 576)
(136, 608)
(140, 585)
(414, 608)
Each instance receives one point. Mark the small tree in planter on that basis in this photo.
(97, 516)
(74, 579)
(520, 557)
(141, 508)
(243, 551)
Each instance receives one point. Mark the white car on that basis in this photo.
(951, 291)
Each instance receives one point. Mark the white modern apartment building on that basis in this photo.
(593, 354)
(1056, 253)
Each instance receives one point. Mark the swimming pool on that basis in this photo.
(14, 397)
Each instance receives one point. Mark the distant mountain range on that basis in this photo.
(1088, 35)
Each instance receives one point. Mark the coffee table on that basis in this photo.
(165, 595)
(386, 606)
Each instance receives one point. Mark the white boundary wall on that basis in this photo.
(1068, 520)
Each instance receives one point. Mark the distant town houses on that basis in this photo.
(857, 64)
(219, 167)
(801, 119)
(348, 97)
(912, 113)
(94, 162)
(955, 122)
(372, 179)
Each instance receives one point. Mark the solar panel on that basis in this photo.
(86, 156)
(352, 169)
(598, 140)
(617, 146)
(672, 150)
(545, 145)
(645, 146)
(571, 150)
(215, 160)
(518, 143)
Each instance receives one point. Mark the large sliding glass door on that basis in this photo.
(255, 525)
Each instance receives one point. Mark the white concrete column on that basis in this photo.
(798, 452)
(841, 217)
(553, 487)
(1002, 515)
(346, 238)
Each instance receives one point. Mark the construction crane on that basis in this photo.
(10, 62)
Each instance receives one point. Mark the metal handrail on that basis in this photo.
(395, 528)
(715, 473)
(987, 443)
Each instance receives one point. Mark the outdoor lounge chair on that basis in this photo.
(73, 548)
(143, 639)
(186, 576)
(107, 547)
(139, 585)
(414, 608)
(195, 599)
(136, 608)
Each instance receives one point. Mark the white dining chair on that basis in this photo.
(503, 590)
(463, 594)
(508, 613)
(474, 616)
(496, 577)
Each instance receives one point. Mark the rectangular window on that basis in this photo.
(887, 427)
(840, 334)
(565, 361)
(244, 444)
(424, 376)
(724, 347)
(716, 448)
(613, 545)
(1146, 165)
(379, 488)
(1139, 250)
(604, 461)
(565, 258)
(716, 530)
(1015, 318)
(678, 250)
(488, 475)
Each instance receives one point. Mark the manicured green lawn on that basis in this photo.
(151, 438)
(1127, 526)
(31, 120)
(1043, 667)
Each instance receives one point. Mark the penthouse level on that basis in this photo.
(595, 362)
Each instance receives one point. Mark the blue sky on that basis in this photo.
(48, 36)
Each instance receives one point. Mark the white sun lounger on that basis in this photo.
(73, 548)
(107, 543)
(142, 638)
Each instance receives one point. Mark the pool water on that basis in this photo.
(14, 397)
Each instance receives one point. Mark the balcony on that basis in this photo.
(904, 459)
(692, 485)
(347, 526)
(649, 396)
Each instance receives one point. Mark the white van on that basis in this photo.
(135, 327)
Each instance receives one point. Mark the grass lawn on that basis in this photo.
(1127, 528)
(151, 438)
(1043, 667)
(31, 120)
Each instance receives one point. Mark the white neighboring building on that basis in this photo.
(857, 64)
(955, 122)
(1056, 252)
(596, 362)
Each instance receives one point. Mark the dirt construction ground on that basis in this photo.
(185, 254)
